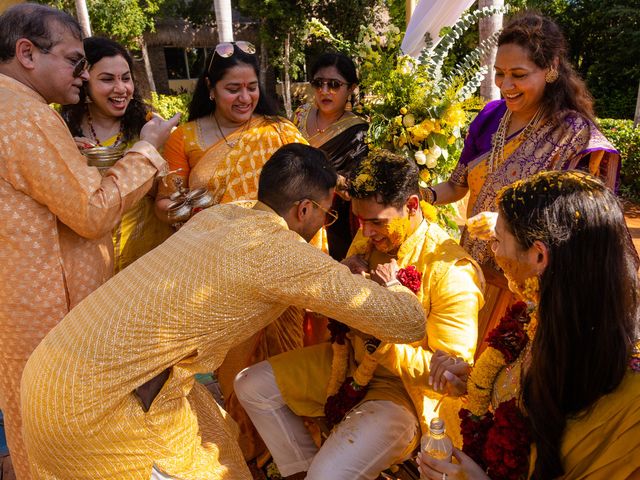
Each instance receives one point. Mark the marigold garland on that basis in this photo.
(499, 442)
(345, 393)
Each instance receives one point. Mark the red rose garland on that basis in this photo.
(499, 442)
(410, 277)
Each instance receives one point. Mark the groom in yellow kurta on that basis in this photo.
(386, 424)
(110, 392)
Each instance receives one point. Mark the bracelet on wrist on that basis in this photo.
(432, 195)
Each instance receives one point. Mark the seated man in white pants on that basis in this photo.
(391, 400)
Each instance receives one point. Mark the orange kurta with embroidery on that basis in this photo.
(56, 218)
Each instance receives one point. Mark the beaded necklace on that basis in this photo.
(499, 139)
(95, 137)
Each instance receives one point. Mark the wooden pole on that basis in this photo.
(636, 118)
(83, 17)
(223, 20)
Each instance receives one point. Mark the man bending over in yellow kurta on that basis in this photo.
(110, 392)
(386, 382)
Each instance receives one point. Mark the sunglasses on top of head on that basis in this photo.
(333, 85)
(226, 49)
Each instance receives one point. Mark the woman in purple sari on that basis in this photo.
(545, 121)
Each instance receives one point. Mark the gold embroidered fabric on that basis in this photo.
(56, 218)
(183, 306)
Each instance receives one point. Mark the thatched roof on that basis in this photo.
(182, 33)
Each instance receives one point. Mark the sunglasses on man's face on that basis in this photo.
(79, 65)
(332, 84)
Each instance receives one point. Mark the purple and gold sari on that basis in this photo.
(574, 143)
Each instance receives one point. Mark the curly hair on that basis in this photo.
(545, 43)
(134, 118)
(389, 177)
(588, 307)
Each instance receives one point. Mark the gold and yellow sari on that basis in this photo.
(139, 230)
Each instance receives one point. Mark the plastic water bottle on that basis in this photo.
(437, 443)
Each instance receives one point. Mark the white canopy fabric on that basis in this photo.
(429, 17)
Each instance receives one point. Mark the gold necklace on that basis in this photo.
(499, 138)
(322, 130)
(231, 144)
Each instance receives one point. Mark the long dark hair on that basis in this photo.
(588, 308)
(215, 68)
(134, 118)
(544, 41)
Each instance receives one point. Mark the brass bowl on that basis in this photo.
(200, 199)
(103, 157)
(179, 212)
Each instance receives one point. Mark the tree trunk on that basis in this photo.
(223, 20)
(147, 64)
(286, 87)
(488, 26)
(636, 118)
(83, 17)
(264, 62)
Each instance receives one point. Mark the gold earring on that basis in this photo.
(551, 76)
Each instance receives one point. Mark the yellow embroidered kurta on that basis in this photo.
(221, 278)
(231, 174)
(56, 218)
(451, 295)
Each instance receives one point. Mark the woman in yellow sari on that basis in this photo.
(231, 133)
(545, 121)
(111, 113)
(557, 393)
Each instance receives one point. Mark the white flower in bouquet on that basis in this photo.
(409, 120)
(431, 159)
(421, 158)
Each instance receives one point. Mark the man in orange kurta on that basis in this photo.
(56, 213)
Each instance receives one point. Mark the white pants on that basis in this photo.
(158, 475)
(366, 442)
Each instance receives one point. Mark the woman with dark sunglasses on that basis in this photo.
(231, 133)
(111, 113)
(329, 125)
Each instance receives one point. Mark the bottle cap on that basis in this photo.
(436, 425)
